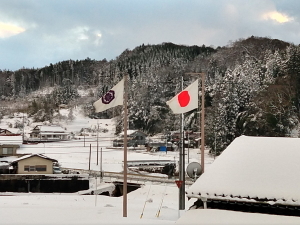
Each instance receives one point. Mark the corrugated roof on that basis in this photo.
(254, 169)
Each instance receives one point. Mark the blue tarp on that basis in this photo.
(163, 148)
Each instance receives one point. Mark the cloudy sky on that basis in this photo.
(35, 33)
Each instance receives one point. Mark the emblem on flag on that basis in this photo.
(186, 100)
(108, 97)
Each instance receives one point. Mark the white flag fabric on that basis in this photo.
(186, 100)
(112, 98)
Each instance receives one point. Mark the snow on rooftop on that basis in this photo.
(254, 167)
(129, 132)
(51, 128)
(8, 159)
(32, 155)
(13, 140)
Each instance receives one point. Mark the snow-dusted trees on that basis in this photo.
(254, 98)
(65, 93)
(252, 87)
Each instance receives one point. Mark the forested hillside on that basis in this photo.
(252, 87)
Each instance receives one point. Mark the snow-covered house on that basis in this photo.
(42, 133)
(253, 174)
(33, 164)
(9, 144)
(134, 138)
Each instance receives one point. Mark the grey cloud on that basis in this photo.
(67, 29)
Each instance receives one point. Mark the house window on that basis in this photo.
(7, 151)
(37, 168)
(41, 168)
(27, 168)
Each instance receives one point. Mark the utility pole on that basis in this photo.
(23, 129)
(97, 139)
(90, 158)
(101, 172)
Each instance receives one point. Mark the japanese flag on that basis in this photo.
(186, 100)
(112, 98)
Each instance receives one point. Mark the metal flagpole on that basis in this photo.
(125, 149)
(182, 161)
(182, 168)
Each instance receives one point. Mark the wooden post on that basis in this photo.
(202, 121)
(90, 157)
(97, 139)
(125, 149)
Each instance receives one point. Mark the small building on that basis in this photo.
(9, 144)
(33, 164)
(5, 132)
(254, 175)
(134, 139)
(42, 133)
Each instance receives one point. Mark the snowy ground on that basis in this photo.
(153, 203)
(143, 204)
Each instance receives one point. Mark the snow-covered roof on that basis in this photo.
(129, 132)
(52, 128)
(32, 155)
(11, 139)
(254, 168)
(4, 165)
(8, 159)
(53, 133)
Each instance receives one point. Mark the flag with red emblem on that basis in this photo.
(186, 100)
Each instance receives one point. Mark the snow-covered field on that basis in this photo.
(153, 203)
(143, 206)
(58, 208)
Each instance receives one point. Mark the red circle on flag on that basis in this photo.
(184, 98)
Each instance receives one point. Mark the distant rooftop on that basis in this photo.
(32, 155)
(14, 140)
(51, 128)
